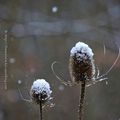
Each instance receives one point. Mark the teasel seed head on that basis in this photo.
(40, 91)
(81, 63)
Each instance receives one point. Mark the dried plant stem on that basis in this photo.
(81, 100)
(40, 107)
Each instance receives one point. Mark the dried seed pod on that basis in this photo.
(40, 91)
(81, 63)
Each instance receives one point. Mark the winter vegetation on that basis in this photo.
(82, 37)
(40, 93)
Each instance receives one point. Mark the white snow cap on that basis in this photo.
(81, 50)
(41, 85)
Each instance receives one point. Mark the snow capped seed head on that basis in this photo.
(40, 91)
(82, 51)
(81, 63)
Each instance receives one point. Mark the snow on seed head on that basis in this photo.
(81, 63)
(40, 91)
(81, 50)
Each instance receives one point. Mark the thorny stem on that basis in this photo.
(81, 101)
(40, 106)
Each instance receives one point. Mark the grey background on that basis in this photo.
(37, 36)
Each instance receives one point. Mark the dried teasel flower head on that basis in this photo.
(81, 63)
(40, 91)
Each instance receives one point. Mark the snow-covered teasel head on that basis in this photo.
(81, 63)
(82, 51)
(82, 66)
(40, 91)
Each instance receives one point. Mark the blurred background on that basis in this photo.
(43, 31)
